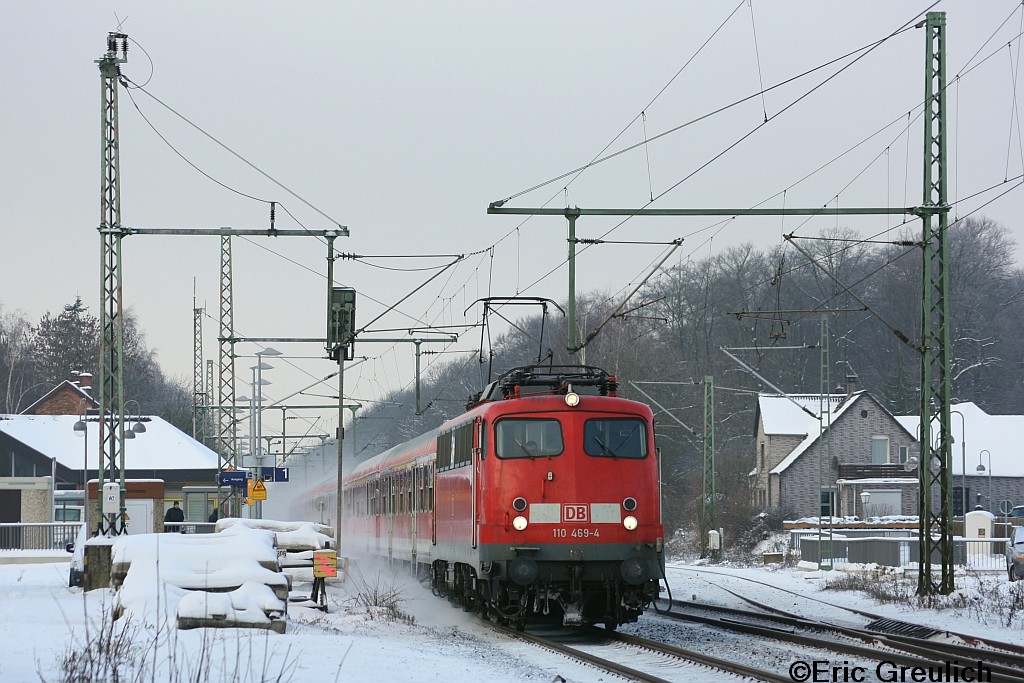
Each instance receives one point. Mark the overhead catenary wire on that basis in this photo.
(238, 156)
(645, 136)
(130, 86)
(1014, 112)
(757, 54)
(861, 52)
(715, 112)
(909, 116)
(722, 224)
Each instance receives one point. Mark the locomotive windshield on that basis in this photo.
(615, 438)
(528, 438)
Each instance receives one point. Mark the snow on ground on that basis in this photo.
(41, 618)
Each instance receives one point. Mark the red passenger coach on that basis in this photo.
(543, 498)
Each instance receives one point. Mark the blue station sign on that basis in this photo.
(236, 478)
(274, 474)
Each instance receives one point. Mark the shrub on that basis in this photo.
(382, 598)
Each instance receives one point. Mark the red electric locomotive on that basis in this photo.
(543, 497)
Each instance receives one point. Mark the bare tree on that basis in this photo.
(16, 356)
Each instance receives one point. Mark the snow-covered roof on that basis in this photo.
(793, 415)
(162, 447)
(782, 416)
(1000, 435)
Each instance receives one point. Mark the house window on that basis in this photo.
(904, 454)
(879, 450)
(828, 502)
(762, 457)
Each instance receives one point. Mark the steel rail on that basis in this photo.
(688, 656)
(1006, 665)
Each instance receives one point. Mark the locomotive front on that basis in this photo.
(569, 512)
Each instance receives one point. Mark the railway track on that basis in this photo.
(609, 650)
(784, 642)
(910, 638)
(1006, 662)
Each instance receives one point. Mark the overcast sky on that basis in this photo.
(404, 120)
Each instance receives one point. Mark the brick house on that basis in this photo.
(801, 474)
(67, 398)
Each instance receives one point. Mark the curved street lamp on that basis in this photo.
(138, 427)
(81, 429)
(981, 470)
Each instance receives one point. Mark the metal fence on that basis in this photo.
(37, 536)
(897, 550)
(57, 535)
(190, 527)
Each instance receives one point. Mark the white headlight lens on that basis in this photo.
(519, 523)
(629, 522)
(572, 399)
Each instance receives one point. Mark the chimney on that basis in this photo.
(83, 380)
(851, 383)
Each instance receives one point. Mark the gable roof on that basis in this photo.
(67, 384)
(1000, 435)
(162, 447)
(786, 415)
(791, 418)
(793, 414)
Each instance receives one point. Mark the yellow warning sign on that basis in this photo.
(325, 563)
(259, 490)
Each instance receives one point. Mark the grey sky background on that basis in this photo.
(404, 120)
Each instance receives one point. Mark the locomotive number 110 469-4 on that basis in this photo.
(562, 532)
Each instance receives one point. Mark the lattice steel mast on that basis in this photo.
(199, 398)
(111, 370)
(935, 524)
(227, 437)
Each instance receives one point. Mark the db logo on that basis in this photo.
(574, 513)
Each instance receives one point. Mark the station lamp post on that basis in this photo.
(82, 430)
(981, 471)
(257, 436)
(138, 427)
(260, 367)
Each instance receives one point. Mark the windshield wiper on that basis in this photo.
(523, 448)
(607, 451)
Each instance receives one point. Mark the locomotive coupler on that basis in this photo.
(572, 615)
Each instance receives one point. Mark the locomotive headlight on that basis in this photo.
(629, 522)
(519, 523)
(572, 399)
(519, 504)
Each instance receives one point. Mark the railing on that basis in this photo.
(895, 551)
(888, 471)
(190, 527)
(57, 535)
(38, 535)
